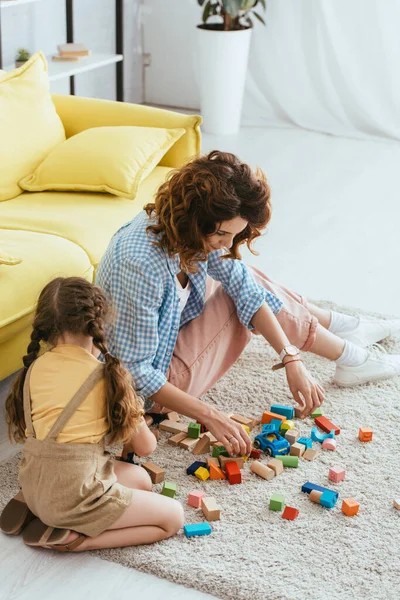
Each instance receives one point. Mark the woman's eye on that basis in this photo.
(221, 234)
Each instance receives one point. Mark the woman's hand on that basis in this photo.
(305, 390)
(228, 432)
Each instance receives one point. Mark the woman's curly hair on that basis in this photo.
(194, 200)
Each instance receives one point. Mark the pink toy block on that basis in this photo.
(337, 474)
(194, 498)
(329, 444)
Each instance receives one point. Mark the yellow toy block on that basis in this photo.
(287, 425)
(202, 473)
(247, 429)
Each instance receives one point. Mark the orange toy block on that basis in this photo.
(365, 434)
(210, 508)
(216, 472)
(267, 417)
(326, 425)
(203, 445)
(350, 507)
(213, 460)
(233, 473)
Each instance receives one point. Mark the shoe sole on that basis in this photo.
(365, 381)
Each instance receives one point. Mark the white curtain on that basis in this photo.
(327, 65)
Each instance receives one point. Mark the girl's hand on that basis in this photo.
(228, 432)
(305, 390)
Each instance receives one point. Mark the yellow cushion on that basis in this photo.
(29, 124)
(103, 159)
(6, 259)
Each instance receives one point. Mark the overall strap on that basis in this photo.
(27, 404)
(76, 401)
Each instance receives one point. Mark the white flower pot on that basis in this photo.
(221, 64)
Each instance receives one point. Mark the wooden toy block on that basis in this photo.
(216, 472)
(217, 450)
(255, 453)
(210, 508)
(195, 497)
(286, 426)
(188, 443)
(317, 436)
(233, 473)
(297, 449)
(239, 460)
(350, 507)
(396, 503)
(173, 416)
(308, 487)
(197, 529)
(148, 420)
(328, 499)
(290, 513)
(292, 436)
(316, 413)
(172, 426)
(157, 475)
(203, 445)
(337, 474)
(315, 496)
(202, 473)
(194, 430)
(262, 470)
(329, 444)
(156, 433)
(213, 460)
(169, 489)
(298, 412)
(194, 466)
(365, 434)
(311, 454)
(275, 465)
(288, 461)
(213, 439)
(176, 438)
(243, 420)
(286, 411)
(256, 421)
(267, 417)
(326, 425)
(277, 502)
(306, 441)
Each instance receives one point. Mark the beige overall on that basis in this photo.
(67, 485)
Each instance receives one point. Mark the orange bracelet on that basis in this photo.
(281, 365)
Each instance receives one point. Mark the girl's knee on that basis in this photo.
(176, 519)
(143, 480)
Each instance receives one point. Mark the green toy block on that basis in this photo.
(289, 461)
(194, 430)
(277, 502)
(217, 450)
(316, 413)
(169, 489)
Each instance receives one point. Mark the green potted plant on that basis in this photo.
(223, 44)
(22, 56)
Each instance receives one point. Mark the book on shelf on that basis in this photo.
(73, 49)
(60, 58)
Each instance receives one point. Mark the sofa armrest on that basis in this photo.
(78, 114)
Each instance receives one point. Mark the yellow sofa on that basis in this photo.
(66, 233)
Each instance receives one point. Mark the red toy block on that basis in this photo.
(255, 453)
(290, 513)
(233, 473)
(326, 425)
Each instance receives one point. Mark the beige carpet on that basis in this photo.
(255, 554)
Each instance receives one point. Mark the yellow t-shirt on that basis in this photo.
(55, 378)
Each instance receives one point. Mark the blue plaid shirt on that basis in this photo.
(140, 280)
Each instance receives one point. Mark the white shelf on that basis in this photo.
(5, 3)
(60, 70)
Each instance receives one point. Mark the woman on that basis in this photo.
(186, 304)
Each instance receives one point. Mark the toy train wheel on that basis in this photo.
(256, 444)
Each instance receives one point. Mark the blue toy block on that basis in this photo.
(271, 427)
(196, 465)
(276, 423)
(307, 442)
(286, 411)
(328, 499)
(308, 487)
(318, 436)
(197, 529)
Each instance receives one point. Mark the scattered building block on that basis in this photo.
(197, 529)
(350, 507)
(277, 502)
(210, 508)
(292, 436)
(290, 513)
(239, 460)
(288, 461)
(173, 416)
(216, 472)
(337, 474)
(286, 426)
(267, 417)
(203, 445)
(317, 436)
(243, 420)
(148, 420)
(172, 426)
(195, 497)
(307, 442)
(396, 503)
(262, 470)
(328, 499)
(315, 496)
(297, 449)
(194, 430)
(298, 412)
(308, 487)
(156, 433)
(255, 453)
(188, 443)
(169, 489)
(217, 450)
(194, 466)
(246, 428)
(329, 444)
(213, 439)
(365, 434)
(276, 424)
(275, 465)
(256, 421)
(203, 428)
(233, 473)
(157, 474)
(272, 427)
(202, 473)
(213, 460)
(286, 411)
(176, 438)
(326, 425)
(316, 413)
(311, 454)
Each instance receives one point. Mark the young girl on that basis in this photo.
(63, 405)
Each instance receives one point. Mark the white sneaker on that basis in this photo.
(369, 331)
(378, 365)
